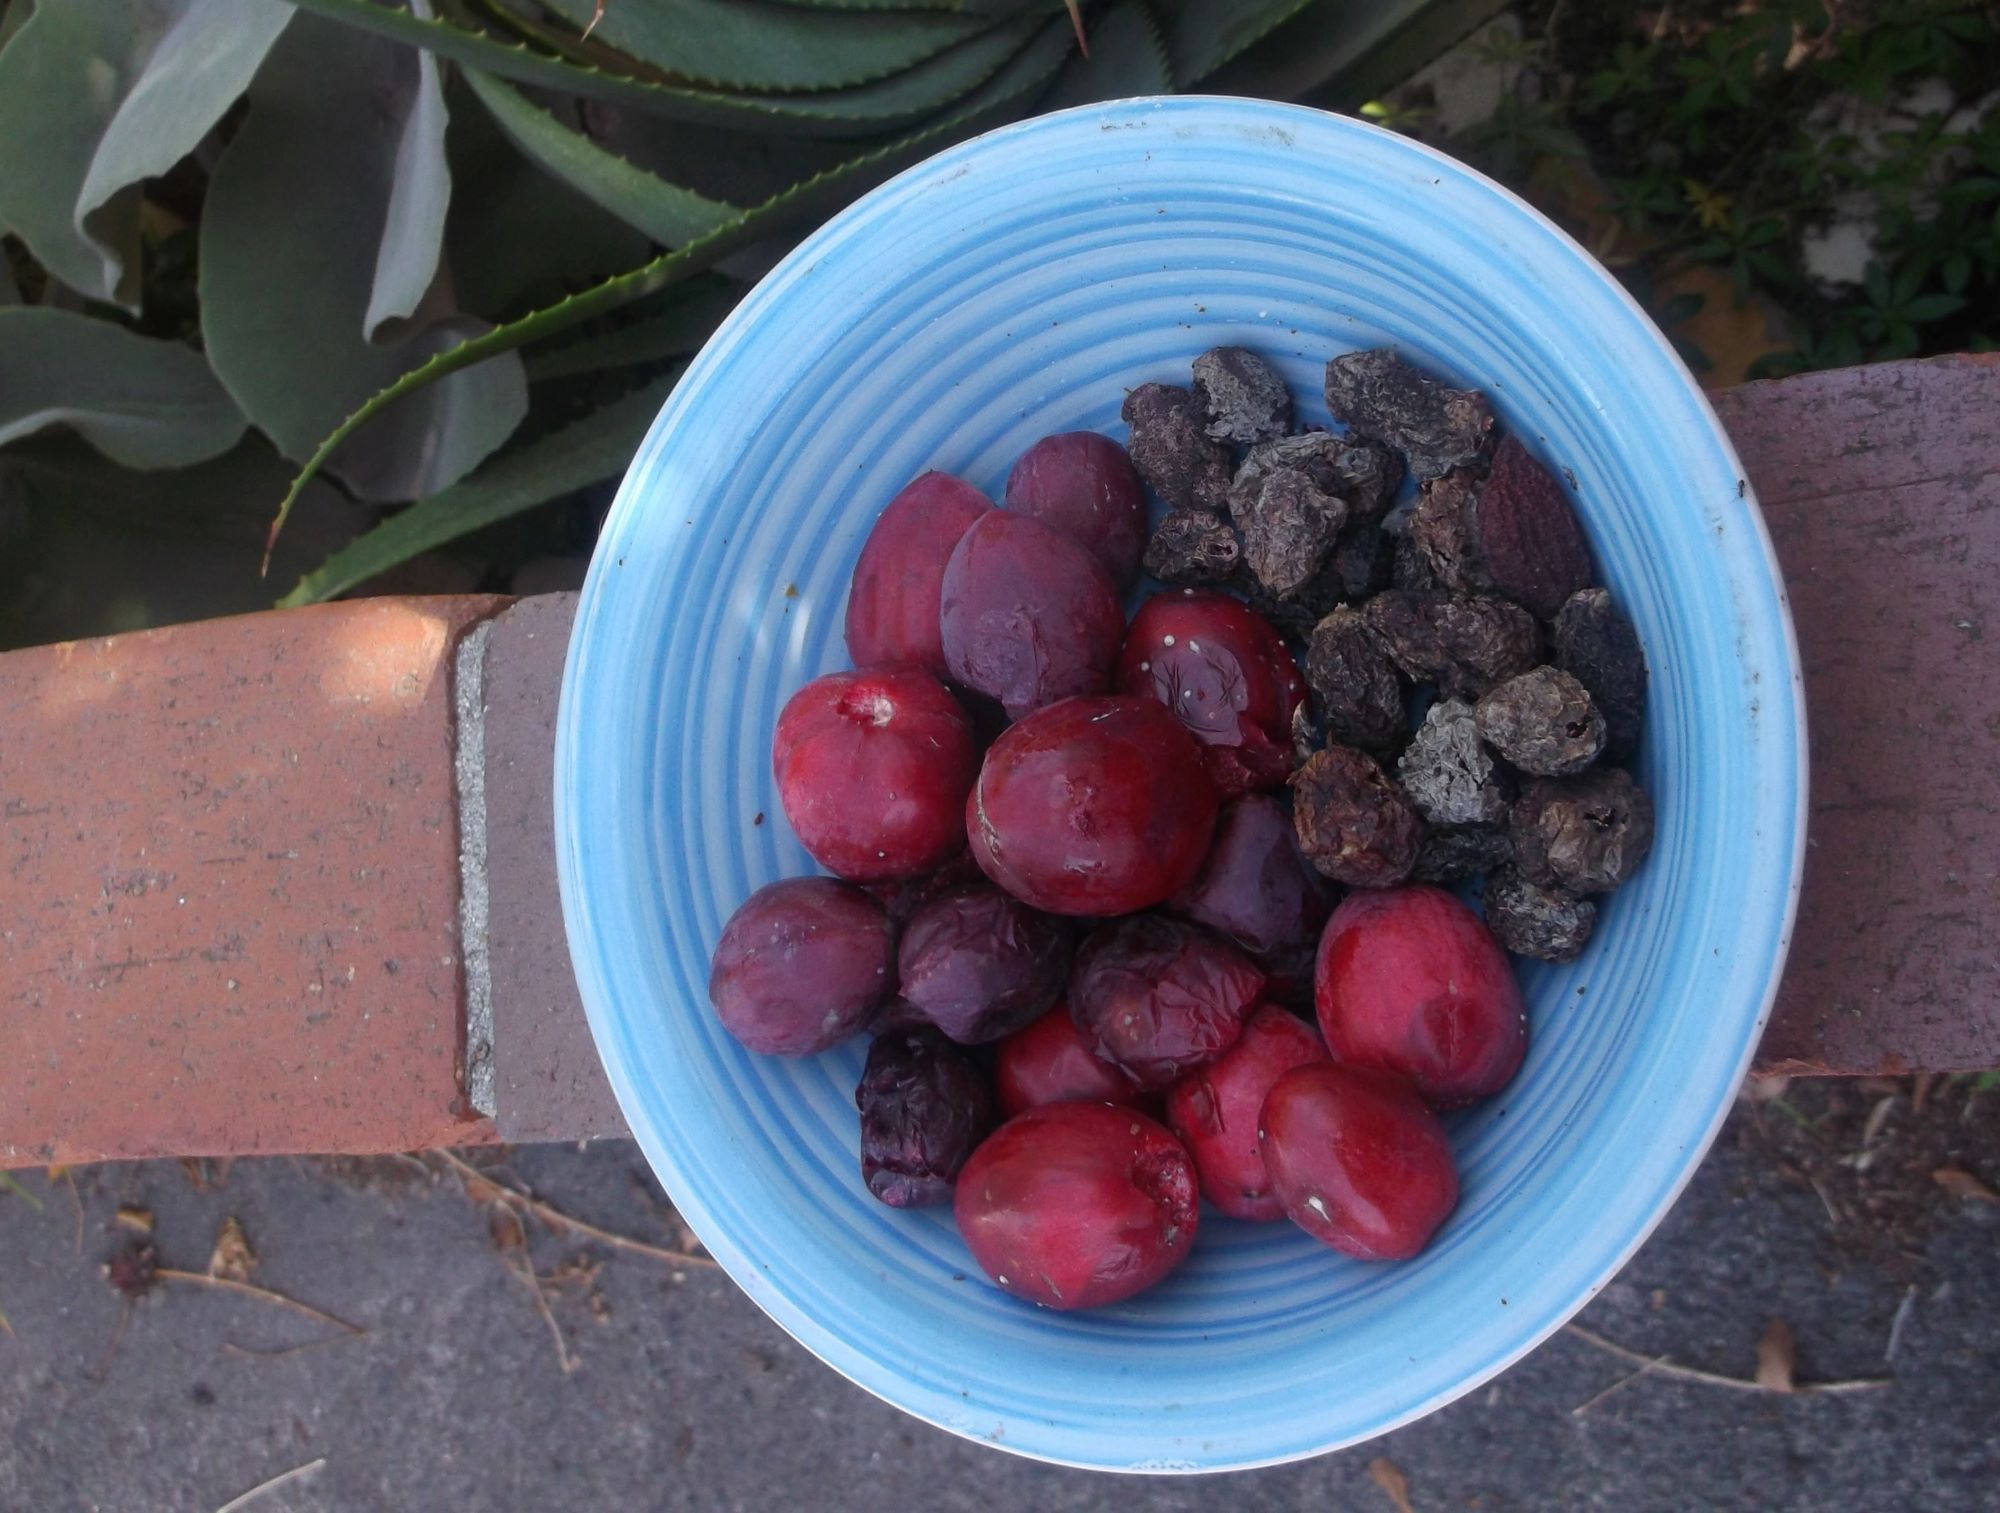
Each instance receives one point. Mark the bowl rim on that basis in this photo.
(572, 873)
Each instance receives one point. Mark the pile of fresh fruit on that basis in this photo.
(1013, 761)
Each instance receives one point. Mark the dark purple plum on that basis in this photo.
(1027, 616)
(1257, 889)
(1084, 485)
(892, 607)
(801, 966)
(1157, 997)
(979, 964)
(924, 1107)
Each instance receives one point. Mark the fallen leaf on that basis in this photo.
(1920, 1090)
(482, 1192)
(505, 1227)
(1775, 1358)
(1877, 1117)
(1387, 1475)
(134, 1270)
(1960, 1183)
(138, 1220)
(232, 1258)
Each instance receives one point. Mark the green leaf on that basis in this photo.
(751, 44)
(1957, 272)
(666, 212)
(406, 261)
(8, 1184)
(1338, 53)
(592, 449)
(1933, 307)
(1126, 59)
(691, 312)
(1001, 96)
(1202, 35)
(141, 402)
(138, 87)
(292, 230)
(881, 105)
(1875, 279)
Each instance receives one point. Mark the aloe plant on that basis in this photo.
(449, 252)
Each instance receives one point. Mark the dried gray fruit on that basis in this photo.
(1586, 833)
(1379, 396)
(1170, 446)
(1543, 722)
(1289, 525)
(1549, 924)
(1243, 397)
(1448, 772)
(1360, 696)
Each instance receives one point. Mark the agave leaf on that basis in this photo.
(1202, 35)
(882, 105)
(141, 402)
(687, 314)
(594, 448)
(666, 212)
(1339, 56)
(96, 95)
(1001, 97)
(1126, 59)
(292, 230)
(753, 44)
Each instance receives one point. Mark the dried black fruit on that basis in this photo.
(1243, 396)
(1360, 696)
(1586, 833)
(1453, 855)
(1448, 772)
(1289, 525)
(1597, 646)
(1361, 562)
(1170, 446)
(1549, 924)
(1354, 823)
(1410, 569)
(1194, 549)
(1379, 396)
(924, 1106)
(1361, 474)
(979, 964)
(1464, 646)
(1510, 532)
(1543, 722)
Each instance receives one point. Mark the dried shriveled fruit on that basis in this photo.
(1448, 772)
(1361, 474)
(978, 963)
(1195, 549)
(892, 607)
(924, 1107)
(1510, 532)
(1543, 722)
(1289, 526)
(1157, 997)
(1586, 833)
(1464, 646)
(1242, 396)
(1362, 562)
(1027, 615)
(1409, 569)
(1083, 484)
(1549, 924)
(1170, 446)
(1354, 823)
(1597, 646)
(1453, 854)
(1360, 696)
(1379, 396)
(802, 965)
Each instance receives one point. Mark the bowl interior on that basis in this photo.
(1015, 286)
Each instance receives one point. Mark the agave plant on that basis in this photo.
(448, 254)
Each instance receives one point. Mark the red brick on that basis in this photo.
(228, 910)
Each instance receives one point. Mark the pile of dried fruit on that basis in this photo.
(1013, 759)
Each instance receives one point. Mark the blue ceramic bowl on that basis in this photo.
(1011, 287)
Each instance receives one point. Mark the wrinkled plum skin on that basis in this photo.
(1157, 997)
(1255, 886)
(873, 769)
(924, 1107)
(979, 964)
(1411, 982)
(1225, 673)
(1092, 807)
(1075, 1205)
(892, 605)
(1027, 616)
(1047, 1062)
(801, 966)
(1083, 484)
(1215, 1111)
(1357, 1161)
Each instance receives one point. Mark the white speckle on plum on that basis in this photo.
(1318, 1206)
(1166, 640)
(1145, 667)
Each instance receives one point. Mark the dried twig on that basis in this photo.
(1618, 1386)
(244, 1500)
(249, 1352)
(1896, 1324)
(525, 1274)
(557, 1220)
(1661, 1366)
(251, 1289)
